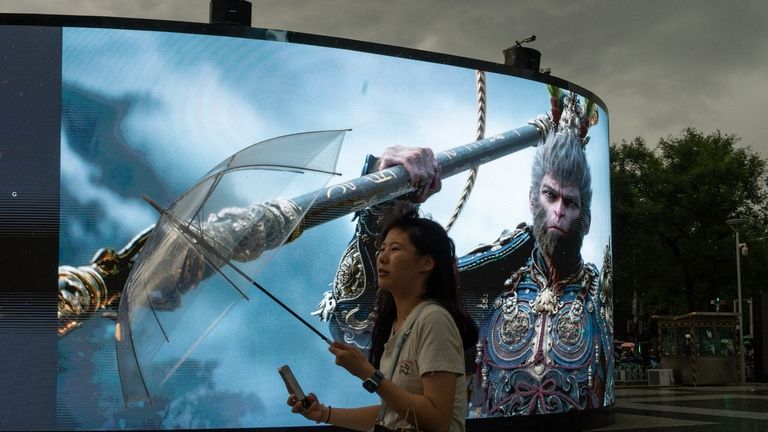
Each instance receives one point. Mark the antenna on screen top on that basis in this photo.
(236, 12)
(522, 57)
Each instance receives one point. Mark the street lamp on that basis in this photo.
(735, 224)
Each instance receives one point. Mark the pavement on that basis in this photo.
(741, 408)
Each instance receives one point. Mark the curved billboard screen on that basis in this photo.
(253, 149)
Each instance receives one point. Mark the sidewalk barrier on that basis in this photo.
(630, 373)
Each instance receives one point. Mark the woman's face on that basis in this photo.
(399, 266)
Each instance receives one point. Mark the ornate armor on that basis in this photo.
(349, 304)
(544, 345)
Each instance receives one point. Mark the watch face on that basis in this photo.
(370, 385)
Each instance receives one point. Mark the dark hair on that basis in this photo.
(442, 286)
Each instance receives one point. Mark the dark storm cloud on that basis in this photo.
(659, 66)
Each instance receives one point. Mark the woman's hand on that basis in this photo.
(311, 409)
(352, 359)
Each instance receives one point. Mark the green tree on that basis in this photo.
(670, 204)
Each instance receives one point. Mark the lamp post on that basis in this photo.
(735, 224)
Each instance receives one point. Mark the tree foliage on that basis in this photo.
(670, 203)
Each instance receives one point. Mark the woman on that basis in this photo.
(416, 361)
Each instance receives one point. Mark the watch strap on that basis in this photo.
(372, 383)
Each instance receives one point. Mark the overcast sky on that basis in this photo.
(659, 66)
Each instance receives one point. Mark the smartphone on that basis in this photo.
(292, 385)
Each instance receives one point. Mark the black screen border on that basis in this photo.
(294, 37)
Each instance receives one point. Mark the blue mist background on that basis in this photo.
(151, 112)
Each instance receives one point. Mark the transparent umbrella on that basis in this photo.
(189, 275)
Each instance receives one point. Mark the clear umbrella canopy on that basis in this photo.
(184, 281)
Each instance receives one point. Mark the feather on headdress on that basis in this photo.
(568, 114)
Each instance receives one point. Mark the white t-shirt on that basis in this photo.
(434, 345)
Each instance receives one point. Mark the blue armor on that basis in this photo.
(544, 344)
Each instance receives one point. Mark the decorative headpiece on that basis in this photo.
(568, 114)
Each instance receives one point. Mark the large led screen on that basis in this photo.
(154, 113)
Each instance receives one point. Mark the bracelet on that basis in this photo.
(328, 420)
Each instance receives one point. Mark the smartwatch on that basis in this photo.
(372, 383)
